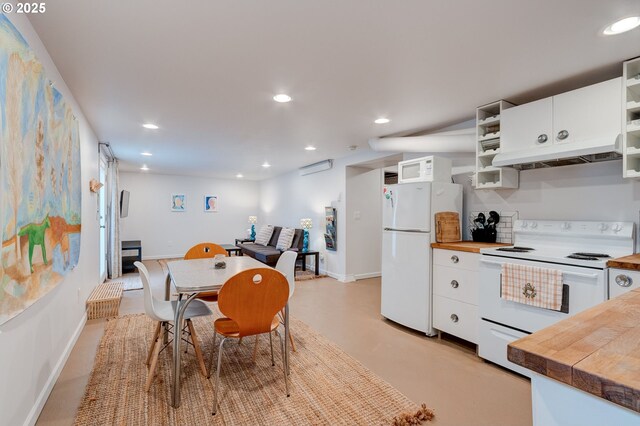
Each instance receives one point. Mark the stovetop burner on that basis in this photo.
(592, 254)
(588, 256)
(516, 249)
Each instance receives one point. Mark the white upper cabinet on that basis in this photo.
(581, 122)
(527, 126)
(592, 112)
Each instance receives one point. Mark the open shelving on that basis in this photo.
(488, 146)
(631, 119)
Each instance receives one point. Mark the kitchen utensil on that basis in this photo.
(495, 216)
(447, 227)
(481, 218)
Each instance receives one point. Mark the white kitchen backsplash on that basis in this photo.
(504, 227)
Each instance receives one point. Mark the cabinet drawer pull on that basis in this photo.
(542, 138)
(455, 259)
(454, 284)
(624, 281)
(563, 134)
(454, 318)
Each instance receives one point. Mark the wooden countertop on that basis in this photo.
(468, 246)
(627, 262)
(597, 351)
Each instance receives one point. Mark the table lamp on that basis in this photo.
(253, 220)
(306, 224)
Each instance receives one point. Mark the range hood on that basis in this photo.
(562, 154)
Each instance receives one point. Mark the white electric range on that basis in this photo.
(579, 249)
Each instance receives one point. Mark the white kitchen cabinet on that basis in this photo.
(488, 118)
(527, 126)
(455, 290)
(631, 119)
(592, 112)
(588, 113)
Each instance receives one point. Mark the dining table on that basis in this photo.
(191, 277)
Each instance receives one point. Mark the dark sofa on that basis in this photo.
(269, 254)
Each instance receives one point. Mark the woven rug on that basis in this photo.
(327, 386)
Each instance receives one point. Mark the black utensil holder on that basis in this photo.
(484, 235)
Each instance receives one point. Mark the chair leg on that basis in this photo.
(213, 354)
(215, 390)
(255, 349)
(196, 346)
(152, 370)
(293, 345)
(273, 363)
(284, 366)
(156, 334)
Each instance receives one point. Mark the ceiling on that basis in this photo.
(206, 71)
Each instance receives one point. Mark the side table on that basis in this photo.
(303, 255)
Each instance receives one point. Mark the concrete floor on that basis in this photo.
(445, 374)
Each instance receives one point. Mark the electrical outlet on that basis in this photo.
(356, 215)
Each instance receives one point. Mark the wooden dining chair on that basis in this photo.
(205, 251)
(163, 312)
(287, 265)
(250, 302)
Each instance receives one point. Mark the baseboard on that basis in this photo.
(32, 418)
(368, 275)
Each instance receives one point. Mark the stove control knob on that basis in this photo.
(534, 225)
(565, 226)
(603, 226)
(525, 224)
(616, 228)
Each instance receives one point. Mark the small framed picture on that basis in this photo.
(211, 203)
(178, 202)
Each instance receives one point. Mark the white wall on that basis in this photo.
(286, 199)
(170, 234)
(364, 222)
(34, 345)
(581, 192)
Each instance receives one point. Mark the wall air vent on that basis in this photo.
(320, 166)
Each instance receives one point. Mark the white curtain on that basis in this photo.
(114, 249)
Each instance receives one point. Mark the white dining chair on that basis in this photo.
(287, 266)
(164, 313)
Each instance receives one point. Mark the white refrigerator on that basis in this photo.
(408, 222)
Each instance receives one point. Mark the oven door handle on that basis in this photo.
(575, 274)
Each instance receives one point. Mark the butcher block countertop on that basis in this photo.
(627, 262)
(469, 246)
(597, 351)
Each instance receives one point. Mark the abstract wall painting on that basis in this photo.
(211, 203)
(178, 203)
(40, 186)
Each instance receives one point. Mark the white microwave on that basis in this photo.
(425, 169)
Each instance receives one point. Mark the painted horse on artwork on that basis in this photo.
(35, 233)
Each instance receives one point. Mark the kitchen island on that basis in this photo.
(587, 366)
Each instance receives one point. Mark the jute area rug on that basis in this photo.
(327, 386)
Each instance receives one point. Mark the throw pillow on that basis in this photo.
(264, 235)
(285, 239)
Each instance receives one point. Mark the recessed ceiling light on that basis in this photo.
(144, 167)
(622, 25)
(382, 121)
(146, 154)
(150, 126)
(239, 176)
(282, 98)
(266, 165)
(310, 148)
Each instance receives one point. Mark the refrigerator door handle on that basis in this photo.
(406, 230)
